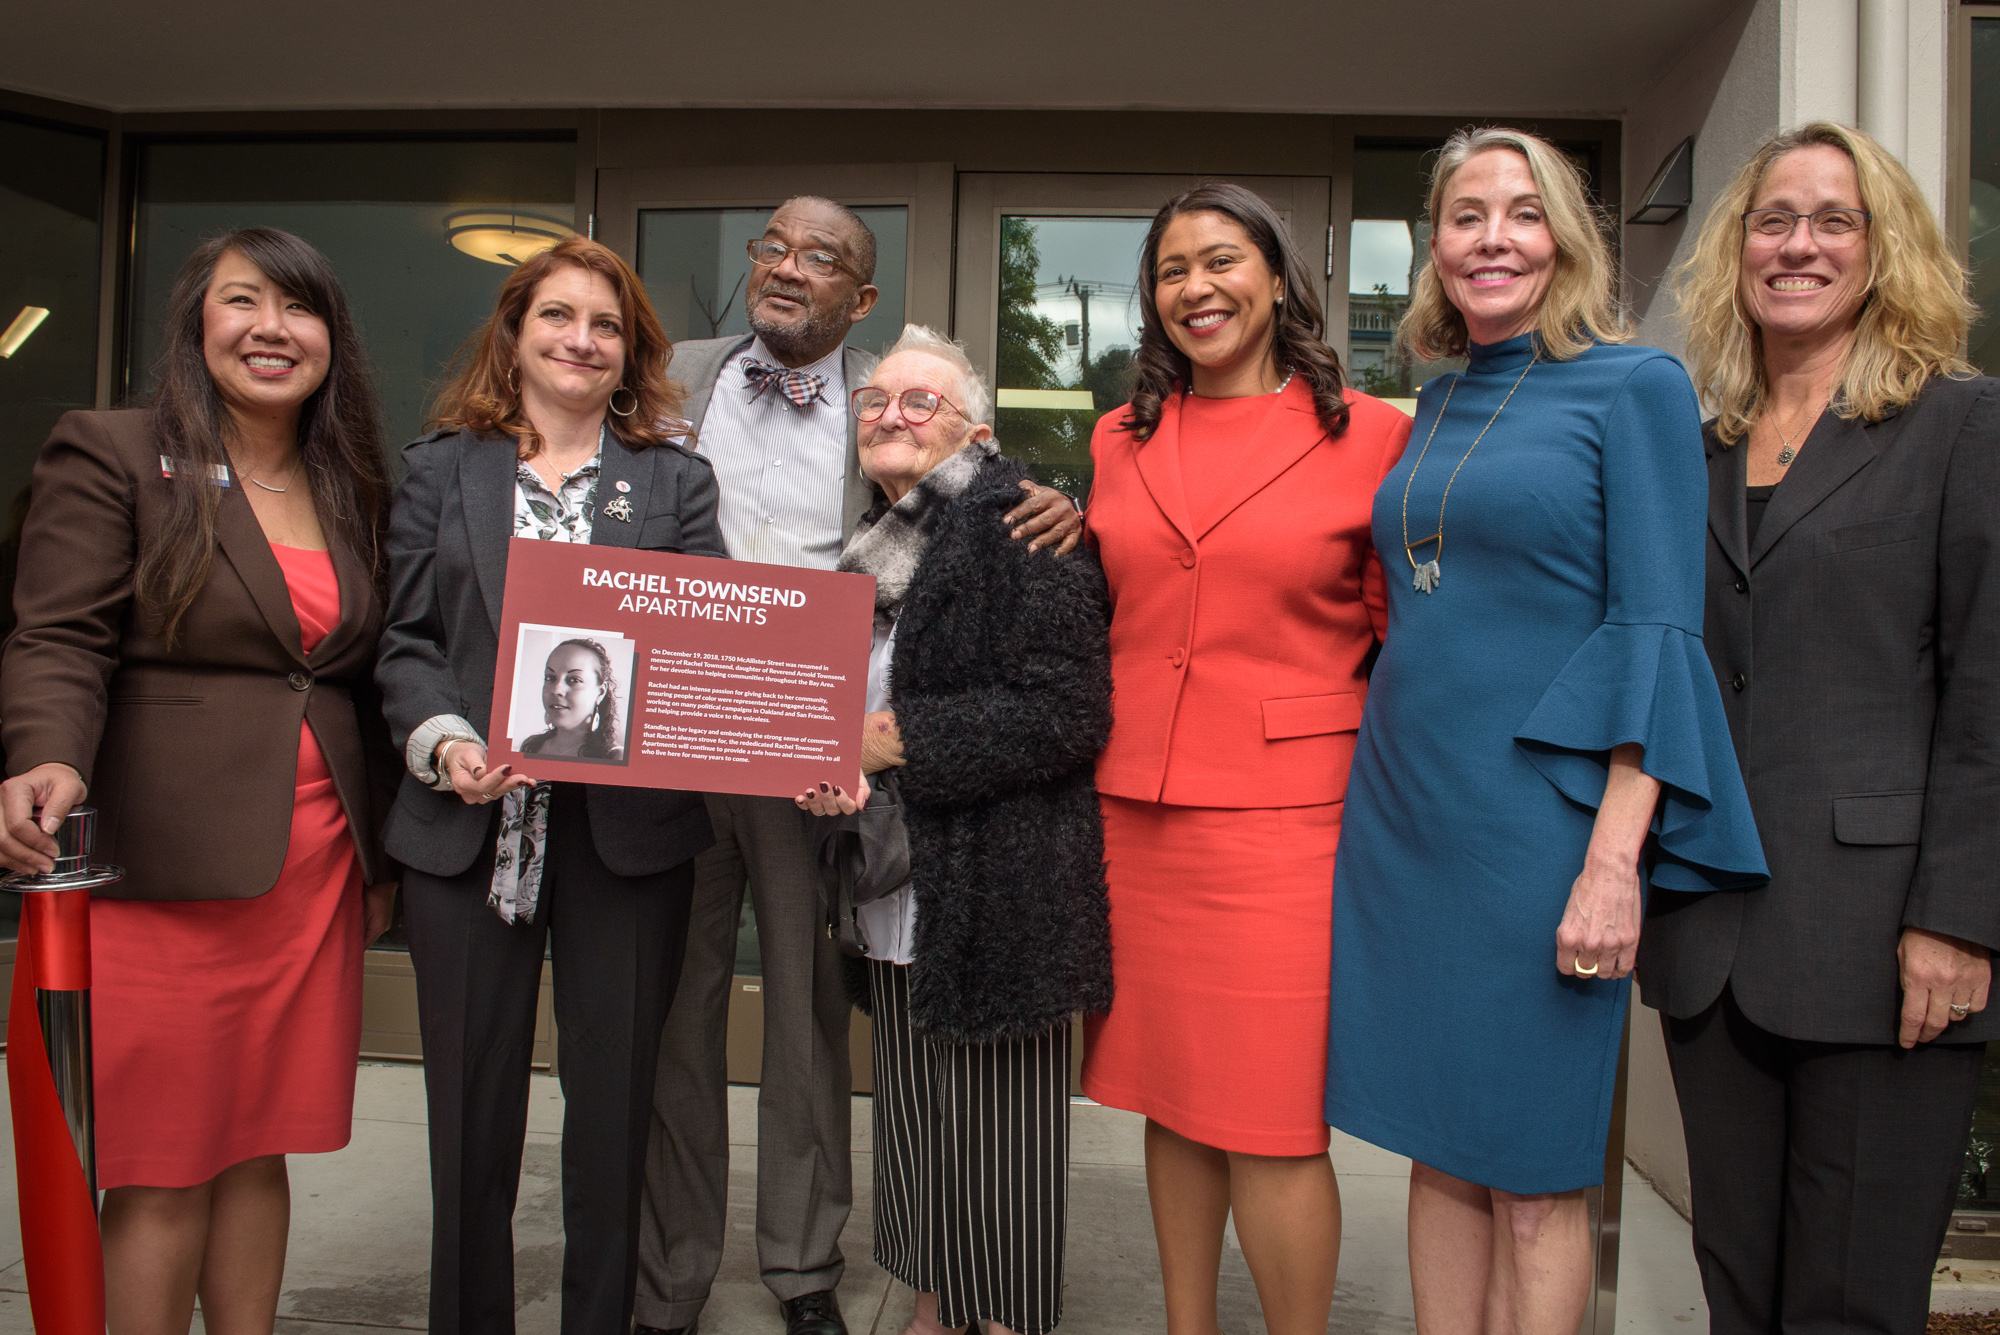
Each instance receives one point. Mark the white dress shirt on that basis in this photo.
(782, 469)
(889, 923)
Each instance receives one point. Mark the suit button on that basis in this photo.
(1739, 681)
(1177, 657)
(300, 680)
(1743, 586)
(1187, 557)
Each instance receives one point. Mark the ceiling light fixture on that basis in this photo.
(504, 238)
(27, 322)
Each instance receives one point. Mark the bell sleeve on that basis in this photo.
(1643, 675)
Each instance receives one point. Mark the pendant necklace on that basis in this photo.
(1428, 574)
(1789, 452)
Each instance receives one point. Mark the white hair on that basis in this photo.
(973, 396)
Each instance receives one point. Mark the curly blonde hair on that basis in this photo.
(1914, 315)
(1581, 306)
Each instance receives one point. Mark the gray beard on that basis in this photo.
(810, 339)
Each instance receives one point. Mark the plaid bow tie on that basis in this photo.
(801, 387)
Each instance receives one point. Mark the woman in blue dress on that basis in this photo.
(1543, 737)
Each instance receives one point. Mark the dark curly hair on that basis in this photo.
(603, 742)
(1300, 330)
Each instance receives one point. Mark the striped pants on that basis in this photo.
(971, 1165)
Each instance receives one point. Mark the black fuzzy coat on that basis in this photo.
(1001, 686)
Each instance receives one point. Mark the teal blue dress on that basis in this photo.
(1566, 620)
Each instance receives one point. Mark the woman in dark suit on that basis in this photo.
(565, 400)
(197, 611)
(1826, 1030)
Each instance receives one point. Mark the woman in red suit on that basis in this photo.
(199, 600)
(1231, 510)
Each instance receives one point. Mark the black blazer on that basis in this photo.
(1857, 643)
(448, 536)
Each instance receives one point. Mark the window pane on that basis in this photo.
(1983, 200)
(1387, 248)
(384, 213)
(1068, 330)
(51, 188)
(696, 267)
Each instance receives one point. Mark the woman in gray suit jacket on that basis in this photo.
(563, 402)
(1826, 1030)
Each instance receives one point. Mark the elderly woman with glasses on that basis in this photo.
(1827, 1030)
(990, 689)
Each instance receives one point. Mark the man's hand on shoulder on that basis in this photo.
(1046, 518)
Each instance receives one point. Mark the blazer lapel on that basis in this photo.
(701, 388)
(355, 596)
(1160, 467)
(486, 486)
(242, 540)
(1837, 448)
(1290, 431)
(1726, 518)
(619, 463)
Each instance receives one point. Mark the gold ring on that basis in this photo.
(1576, 962)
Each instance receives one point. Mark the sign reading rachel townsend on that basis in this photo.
(664, 671)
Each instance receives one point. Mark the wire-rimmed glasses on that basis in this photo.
(919, 405)
(1834, 225)
(768, 254)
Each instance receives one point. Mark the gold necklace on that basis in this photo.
(1428, 574)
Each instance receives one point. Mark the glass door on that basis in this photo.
(1048, 302)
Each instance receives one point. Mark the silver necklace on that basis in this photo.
(288, 481)
(1789, 451)
(1427, 573)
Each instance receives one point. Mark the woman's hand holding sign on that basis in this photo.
(464, 763)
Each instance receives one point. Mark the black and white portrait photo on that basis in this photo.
(572, 694)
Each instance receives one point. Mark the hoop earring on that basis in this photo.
(624, 412)
(510, 381)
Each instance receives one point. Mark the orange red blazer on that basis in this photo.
(1237, 650)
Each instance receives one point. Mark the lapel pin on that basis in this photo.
(620, 509)
(623, 485)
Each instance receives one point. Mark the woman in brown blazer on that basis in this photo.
(197, 610)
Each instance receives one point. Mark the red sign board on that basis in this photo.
(655, 670)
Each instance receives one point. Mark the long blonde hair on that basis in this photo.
(1913, 317)
(1581, 306)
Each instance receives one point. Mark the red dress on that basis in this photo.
(227, 1029)
(1245, 598)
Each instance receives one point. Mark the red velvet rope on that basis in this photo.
(65, 1257)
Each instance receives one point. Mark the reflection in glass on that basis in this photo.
(1388, 247)
(1068, 329)
(696, 266)
(51, 190)
(1983, 199)
(384, 212)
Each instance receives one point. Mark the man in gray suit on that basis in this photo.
(769, 410)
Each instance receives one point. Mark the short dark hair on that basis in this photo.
(860, 241)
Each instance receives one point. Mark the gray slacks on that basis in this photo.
(804, 1176)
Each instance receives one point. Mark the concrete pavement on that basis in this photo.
(361, 1218)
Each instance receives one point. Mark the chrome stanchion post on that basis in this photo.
(56, 908)
(1600, 1314)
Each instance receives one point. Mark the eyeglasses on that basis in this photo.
(769, 254)
(1826, 225)
(919, 405)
